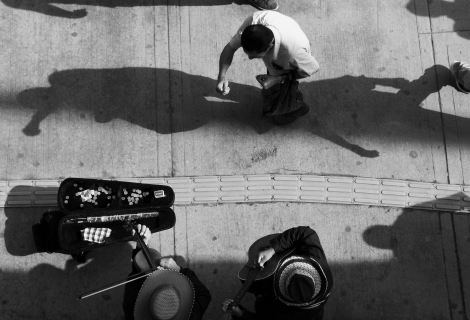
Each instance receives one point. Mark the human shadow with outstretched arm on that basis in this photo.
(152, 99)
(50, 8)
(343, 110)
(387, 110)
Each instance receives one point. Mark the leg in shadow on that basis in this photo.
(44, 100)
(324, 132)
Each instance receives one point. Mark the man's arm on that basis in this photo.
(225, 61)
(304, 238)
(306, 64)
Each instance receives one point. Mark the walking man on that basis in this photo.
(285, 50)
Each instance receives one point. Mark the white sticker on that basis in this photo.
(159, 194)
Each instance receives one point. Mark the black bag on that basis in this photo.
(45, 232)
(59, 231)
(283, 98)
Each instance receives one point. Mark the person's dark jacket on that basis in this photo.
(202, 296)
(267, 307)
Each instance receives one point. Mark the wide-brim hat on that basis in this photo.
(299, 281)
(165, 295)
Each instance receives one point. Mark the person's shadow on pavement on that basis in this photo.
(388, 109)
(48, 7)
(457, 10)
(342, 109)
(405, 279)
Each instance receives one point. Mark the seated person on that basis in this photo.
(300, 286)
(173, 293)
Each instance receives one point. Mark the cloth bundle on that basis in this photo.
(283, 98)
(96, 235)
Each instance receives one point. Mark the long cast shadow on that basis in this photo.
(342, 109)
(385, 109)
(457, 10)
(50, 8)
(130, 94)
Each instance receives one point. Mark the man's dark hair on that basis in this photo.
(257, 38)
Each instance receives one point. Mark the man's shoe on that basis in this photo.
(265, 4)
(454, 69)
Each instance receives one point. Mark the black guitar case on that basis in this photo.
(83, 203)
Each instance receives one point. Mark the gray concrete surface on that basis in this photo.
(127, 90)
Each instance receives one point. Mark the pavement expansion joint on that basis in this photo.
(270, 188)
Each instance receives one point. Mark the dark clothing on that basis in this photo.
(267, 307)
(283, 98)
(202, 296)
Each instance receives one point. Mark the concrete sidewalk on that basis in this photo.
(127, 89)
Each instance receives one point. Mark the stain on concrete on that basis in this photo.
(82, 116)
(215, 271)
(20, 155)
(358, 163)
(376, 50)
(381, 69)
(214, 238)
(81, 164)
(343, 293)
(36, 164)
(453, 305)
(106, 297)
(347, 229)
(74, 34)
(413, 154)
(264, 154)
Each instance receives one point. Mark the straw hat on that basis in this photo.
(299, 281)
(165, 295)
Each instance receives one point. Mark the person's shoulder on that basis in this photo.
(268, 14)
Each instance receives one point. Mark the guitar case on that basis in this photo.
(92, 203)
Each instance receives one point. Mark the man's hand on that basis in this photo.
(267, 81)
(169, 263)
(265, 255)
(222, 86)
(236, 311)
(145, 233)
